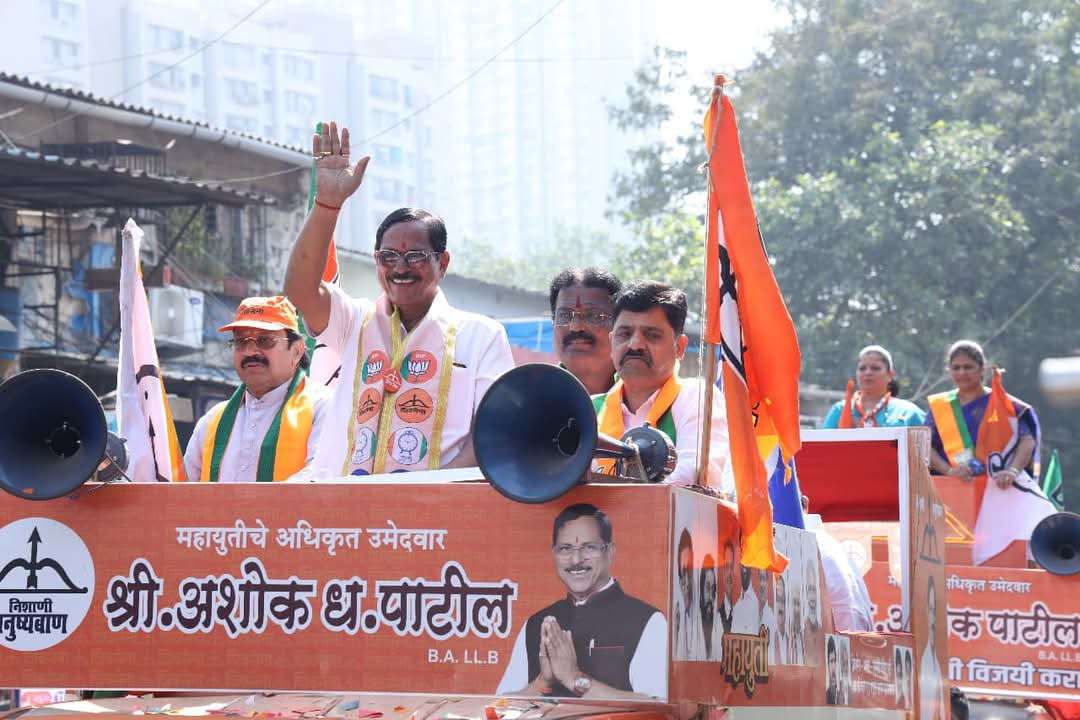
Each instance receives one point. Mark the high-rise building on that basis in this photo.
(528, 138)
(272, 75)
(490, 112)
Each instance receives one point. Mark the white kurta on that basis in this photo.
(481, 354)
(687, 418)
(240, 463)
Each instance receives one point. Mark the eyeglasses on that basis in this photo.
(412, 258)
(587, 550)
(263, 342)
(565, 317)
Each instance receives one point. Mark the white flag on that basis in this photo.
(142, 412)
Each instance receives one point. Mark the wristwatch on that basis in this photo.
(582, 684)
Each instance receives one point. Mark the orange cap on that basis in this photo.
(264, 313)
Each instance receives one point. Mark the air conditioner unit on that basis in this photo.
(177, 315)
(149, 252)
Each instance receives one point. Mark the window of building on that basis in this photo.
(407, 95)
(164, 107)
(388, 189)
(297, 136)
(390, 156)
(166, 38)
(195, 79)
(241, 123)
(383, 119)
(64, 12)
(239, 56)
(299, 68)
(299, 103)
(166, 77)
(383, 87)
(242, 92)
(59, 52)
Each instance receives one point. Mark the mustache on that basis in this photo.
(579, 566)
(404, 276)
(254, 360)
(639, 354)
(578, 335)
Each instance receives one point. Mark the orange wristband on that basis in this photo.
(325, 206)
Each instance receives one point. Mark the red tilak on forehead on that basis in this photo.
(578, 303)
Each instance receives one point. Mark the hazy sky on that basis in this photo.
(718, 35)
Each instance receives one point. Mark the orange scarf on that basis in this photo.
(611, 416)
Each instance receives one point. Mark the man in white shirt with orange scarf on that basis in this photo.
(413, 368)
(647, 342)
(267, 431)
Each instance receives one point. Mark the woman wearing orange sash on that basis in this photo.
(956, 416)
(875, 403)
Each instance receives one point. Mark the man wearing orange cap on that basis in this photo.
(413, 368)
(267, 431)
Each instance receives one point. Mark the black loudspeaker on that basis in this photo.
(535, 436)
(52, 434)
(534, 433)
(1055, 543)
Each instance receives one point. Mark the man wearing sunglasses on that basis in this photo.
(413, 368)
(647, 343)
(268, 430)
(597, 641)
(581, 310)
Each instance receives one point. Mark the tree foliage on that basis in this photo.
(914, 172)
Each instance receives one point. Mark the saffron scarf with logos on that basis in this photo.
(400, 390)
(610, 422)
(283, 451)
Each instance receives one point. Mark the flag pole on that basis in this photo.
(708, 348)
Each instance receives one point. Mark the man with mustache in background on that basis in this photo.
(414, 368)
(647, 343)
(581, 312)
(268, 430)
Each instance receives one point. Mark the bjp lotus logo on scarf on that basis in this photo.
(374, 367)
(419, 366)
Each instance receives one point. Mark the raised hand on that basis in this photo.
(335, 177)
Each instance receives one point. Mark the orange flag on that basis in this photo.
(746, 315)
(847, 418)
(1011, 513)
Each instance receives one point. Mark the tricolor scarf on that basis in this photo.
(400, 390)
(952, 428)
(283, 452)
(610, 416)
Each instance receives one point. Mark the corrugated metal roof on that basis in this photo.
(32, 180)
(81, 95)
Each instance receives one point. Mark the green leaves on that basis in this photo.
(914, 168)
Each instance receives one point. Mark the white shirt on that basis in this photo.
(687, 419)
(931, 692)
(648, 667)
(746, 617)
(850, 600)
(481, 354)
(240, 463)
(689, 634)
